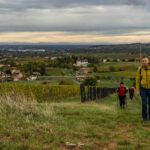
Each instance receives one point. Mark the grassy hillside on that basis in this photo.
(72, 125)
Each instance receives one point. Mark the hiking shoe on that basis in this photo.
(144, 122)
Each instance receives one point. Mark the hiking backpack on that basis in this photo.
(122, 91)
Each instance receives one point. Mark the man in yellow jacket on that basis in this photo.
(143, 87)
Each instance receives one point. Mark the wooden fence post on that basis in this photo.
(82, 92)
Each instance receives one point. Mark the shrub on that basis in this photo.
(90, 81)
(95, 69)
(112, 69)
(66, 82)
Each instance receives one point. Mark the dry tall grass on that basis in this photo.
(22, 105)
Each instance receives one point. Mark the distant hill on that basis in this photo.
(77, 48)
(15, 46)
(119, 48)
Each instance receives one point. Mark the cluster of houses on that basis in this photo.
(119, 60)
(84, 71)
(17, 75)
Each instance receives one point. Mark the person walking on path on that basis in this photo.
(143, 87)
(122, 95)
(131, 92)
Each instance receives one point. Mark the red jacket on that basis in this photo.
(122, 91)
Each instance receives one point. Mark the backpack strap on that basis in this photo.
(125, 89)
(140, 73)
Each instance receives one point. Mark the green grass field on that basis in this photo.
(117, 74)
(130, 66)
(70, 124)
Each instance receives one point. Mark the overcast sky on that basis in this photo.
(76, 21)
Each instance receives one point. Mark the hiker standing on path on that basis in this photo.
(131, 92)
(122, 95)
(143, 87)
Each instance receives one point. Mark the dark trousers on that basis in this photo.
(122, 100)
(145, 95)
(131, 95)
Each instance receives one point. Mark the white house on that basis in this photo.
(32, 78)
(104, 60)
(53, 58)
(81, 63)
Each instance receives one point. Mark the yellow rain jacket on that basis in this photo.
(143, 78)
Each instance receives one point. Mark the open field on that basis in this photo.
(117, 74)
(71, 125)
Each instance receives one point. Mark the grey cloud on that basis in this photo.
(41, 4)
(111, 17)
